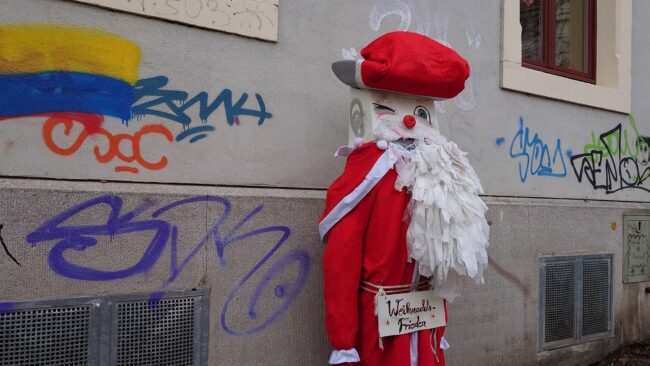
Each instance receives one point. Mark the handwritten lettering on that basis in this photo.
(406, 309)
(407, 324)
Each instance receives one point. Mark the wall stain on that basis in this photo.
(509, 276)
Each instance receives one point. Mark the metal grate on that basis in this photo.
(575, 299)
(156, 333)
(559, 315)
(595, 296)
(54, 336)
(107, 331)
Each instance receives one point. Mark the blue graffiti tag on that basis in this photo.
(535, 155)
(82, 237)
(152, 99)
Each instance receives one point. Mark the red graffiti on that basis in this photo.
(92, 126)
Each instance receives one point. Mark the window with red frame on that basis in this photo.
(559, 37)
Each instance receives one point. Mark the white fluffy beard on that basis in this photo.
(447, 228)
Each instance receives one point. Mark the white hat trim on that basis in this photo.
(357, 75)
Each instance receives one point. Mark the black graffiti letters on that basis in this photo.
(4, 246)
(608, 168)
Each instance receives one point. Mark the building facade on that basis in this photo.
(164, 163)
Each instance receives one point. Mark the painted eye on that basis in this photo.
(383, 108)
(422, 112)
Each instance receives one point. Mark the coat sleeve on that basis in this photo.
(342, 267)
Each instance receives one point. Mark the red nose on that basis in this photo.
(409, 121)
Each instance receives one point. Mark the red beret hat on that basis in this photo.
(406, 63)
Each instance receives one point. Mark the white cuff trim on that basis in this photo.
(443, 344)
(346, 355)
(357, 75)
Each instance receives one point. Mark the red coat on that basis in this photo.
(366, 240)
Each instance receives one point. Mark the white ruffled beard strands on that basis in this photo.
(447, 228)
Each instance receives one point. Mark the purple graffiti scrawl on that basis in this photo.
(81, 237)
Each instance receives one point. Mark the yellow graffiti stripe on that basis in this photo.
(29, 48)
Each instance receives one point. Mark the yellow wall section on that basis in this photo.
(39, 48)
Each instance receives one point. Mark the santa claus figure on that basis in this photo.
(405, 215)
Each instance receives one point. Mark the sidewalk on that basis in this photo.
(633, 355)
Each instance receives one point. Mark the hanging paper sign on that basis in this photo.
(409, 312)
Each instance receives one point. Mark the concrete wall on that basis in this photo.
(282, 229)
(498, 324)
(494, 324)
(491, 325)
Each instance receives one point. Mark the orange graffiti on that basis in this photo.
(91, 122)
(128, 169)
(114, 142)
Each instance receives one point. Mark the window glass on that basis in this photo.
(570, 34)
(531, 15)
(555, 37)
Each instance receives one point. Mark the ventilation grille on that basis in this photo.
(559, 316)
(156, 333)
(112, 330)
(575, 305)
(595, 297)
(45, 337)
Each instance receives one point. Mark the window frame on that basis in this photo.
(549, 8)
(613, 88)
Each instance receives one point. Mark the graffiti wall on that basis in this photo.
(254, 253)
(132, 151)
(615, 160)
(126, 98)
(609, 162)
(94, 109)
(189, 105)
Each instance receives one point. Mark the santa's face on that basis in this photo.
(392, 117)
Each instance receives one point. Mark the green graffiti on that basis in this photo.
(610, 144)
